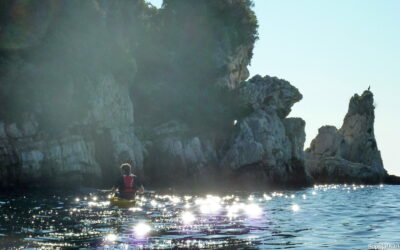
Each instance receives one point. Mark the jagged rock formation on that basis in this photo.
(295, 131)
(84, 151)
(350, 154)
(178, 158)
(236, 65)
(267, 145)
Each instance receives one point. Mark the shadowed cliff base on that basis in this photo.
(392, 180)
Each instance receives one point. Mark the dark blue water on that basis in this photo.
(334, 216)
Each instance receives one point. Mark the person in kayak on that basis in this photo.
(128, 185)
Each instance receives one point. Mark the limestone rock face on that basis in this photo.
(175, 156)
(67, 160)
(261, 137)
(270, 92)
(350, 152)
(339, 170)
(295, 131)
(265, 142)
(174, 153)
(326, 144)
(84, 152)
(236, 66)
(112, 113)
(358, 132)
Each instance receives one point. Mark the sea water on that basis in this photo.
(330, 216)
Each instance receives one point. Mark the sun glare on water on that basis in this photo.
(186, 221)
(253, 210)
(142, 229)
(188, 218)
(210, 205)
(111, 238)
(295, 208)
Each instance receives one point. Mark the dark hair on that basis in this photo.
(126, 168)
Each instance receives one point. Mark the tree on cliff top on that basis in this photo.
(178, 68)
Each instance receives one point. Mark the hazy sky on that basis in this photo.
(331, 50)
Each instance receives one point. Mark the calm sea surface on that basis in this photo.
(332, 216)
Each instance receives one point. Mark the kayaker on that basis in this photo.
(128, 185)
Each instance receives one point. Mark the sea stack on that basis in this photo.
(350, 154)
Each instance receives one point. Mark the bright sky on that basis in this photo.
(331, 50)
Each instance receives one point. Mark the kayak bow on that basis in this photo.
(122, 203)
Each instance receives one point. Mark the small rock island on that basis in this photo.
(349, 154)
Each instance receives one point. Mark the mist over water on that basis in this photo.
(334, 216)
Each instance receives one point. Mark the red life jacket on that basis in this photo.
(128, 184)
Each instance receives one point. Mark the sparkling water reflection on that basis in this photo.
(334, 216)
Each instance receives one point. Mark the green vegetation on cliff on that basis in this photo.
(188, 50)
(171, 57)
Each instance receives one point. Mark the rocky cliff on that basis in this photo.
(349, 154)
(264, 148)
(83, 152)
(267, 147)
(67, 115)
(72, 76)
(88, 85)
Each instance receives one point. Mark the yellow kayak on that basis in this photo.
(122, 203)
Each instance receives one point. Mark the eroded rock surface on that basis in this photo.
(266, 142)
(176, 157)
(270, 92)
(349, 154)
(236, 66)
(84, 152)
